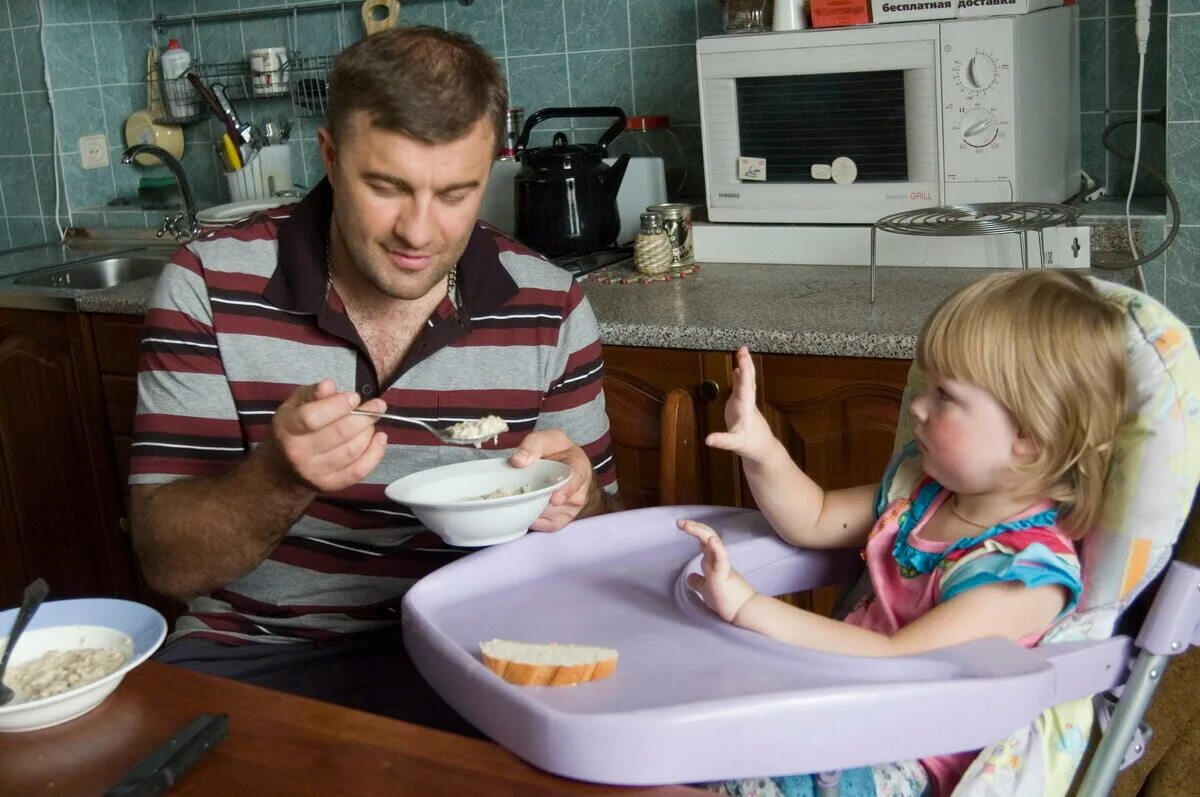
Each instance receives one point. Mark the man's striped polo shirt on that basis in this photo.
(243, 316)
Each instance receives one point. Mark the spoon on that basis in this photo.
(31, 599)
(445, 435)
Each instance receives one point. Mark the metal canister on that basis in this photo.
(512, 131)
(677, 221)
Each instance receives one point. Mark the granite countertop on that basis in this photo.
(823, 310)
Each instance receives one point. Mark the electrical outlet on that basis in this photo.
(93, 151)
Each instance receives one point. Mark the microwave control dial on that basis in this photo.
(978, 73)
(980, 129)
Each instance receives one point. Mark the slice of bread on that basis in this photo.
(547, 664)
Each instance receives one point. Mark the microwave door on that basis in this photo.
(842, 134)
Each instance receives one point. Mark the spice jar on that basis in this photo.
(677, 221)
(652, 248)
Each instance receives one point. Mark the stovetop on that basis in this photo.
(587, 262)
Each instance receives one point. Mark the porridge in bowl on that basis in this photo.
(58, 671)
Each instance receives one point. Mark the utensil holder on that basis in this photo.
(267, 173)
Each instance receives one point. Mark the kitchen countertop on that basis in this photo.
(822, 310)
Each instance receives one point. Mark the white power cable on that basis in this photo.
(1141, 31)
(62, 235)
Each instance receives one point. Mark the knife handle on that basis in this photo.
(158, 772)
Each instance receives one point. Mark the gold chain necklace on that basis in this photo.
(954, 511)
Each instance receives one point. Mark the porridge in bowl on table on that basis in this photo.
(72, 656)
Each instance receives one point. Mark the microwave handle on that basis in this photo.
(538, 117)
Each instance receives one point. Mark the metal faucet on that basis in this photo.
(184, 226)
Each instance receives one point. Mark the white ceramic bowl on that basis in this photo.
(436, 496)
(132, 628)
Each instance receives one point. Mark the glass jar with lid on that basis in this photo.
(651, 136)
(746, 16)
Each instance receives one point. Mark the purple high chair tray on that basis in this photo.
(694, 698)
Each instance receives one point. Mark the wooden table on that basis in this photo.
(277, 744)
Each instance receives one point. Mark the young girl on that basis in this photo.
(1026, 383)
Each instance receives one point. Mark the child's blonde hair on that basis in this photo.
(1051, 349)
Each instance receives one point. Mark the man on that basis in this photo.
(256, 494)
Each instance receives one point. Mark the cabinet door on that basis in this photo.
(58, 497)
(837, 417)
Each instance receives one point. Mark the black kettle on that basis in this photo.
(566, 195)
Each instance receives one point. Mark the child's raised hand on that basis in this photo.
(723, 589)
(749, 436)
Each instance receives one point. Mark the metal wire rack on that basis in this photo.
(985, 218)
(308, 81)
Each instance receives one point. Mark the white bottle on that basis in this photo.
(181, 98)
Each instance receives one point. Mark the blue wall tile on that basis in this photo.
(131, 9)
(26, 231)
(10, 79)
(78, 112)
(1183, 167)
(601, 78)
(37, 116)
(538, 81)
(43, 169)
(67, 11)
(1183, 276)
(71, 55)
(1183, 61)
(19, 189)
(1093, 48)
(23, 13)
(88, 188)
(664, 82)
(104, 10)
(596, 24)
(663, 22)
(111, 67)
(482, 21)
(14, 139)
(534, 26)
(1094, 156)
(30, 62)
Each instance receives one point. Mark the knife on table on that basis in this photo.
(163, 768)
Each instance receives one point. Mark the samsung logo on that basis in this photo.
(934, 6)
(723, 195)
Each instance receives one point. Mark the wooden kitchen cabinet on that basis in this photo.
(836, 415)
(59, 505)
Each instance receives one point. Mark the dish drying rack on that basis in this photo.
(302, 82)
(984, 218)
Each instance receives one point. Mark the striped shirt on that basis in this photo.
(243, 316)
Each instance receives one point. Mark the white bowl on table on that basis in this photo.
(441, 498)
(132, 628)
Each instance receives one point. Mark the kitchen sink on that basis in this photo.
(96, 274)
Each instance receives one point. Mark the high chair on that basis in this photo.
(695, 699)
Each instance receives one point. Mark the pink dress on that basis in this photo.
(912, 575)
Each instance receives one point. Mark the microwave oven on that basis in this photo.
(848, 125)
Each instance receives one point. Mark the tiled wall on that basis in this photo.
(1181, 266)
(638, 54)
(1108, 87)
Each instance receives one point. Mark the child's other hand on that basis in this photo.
(723, 589)
(749, 436)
